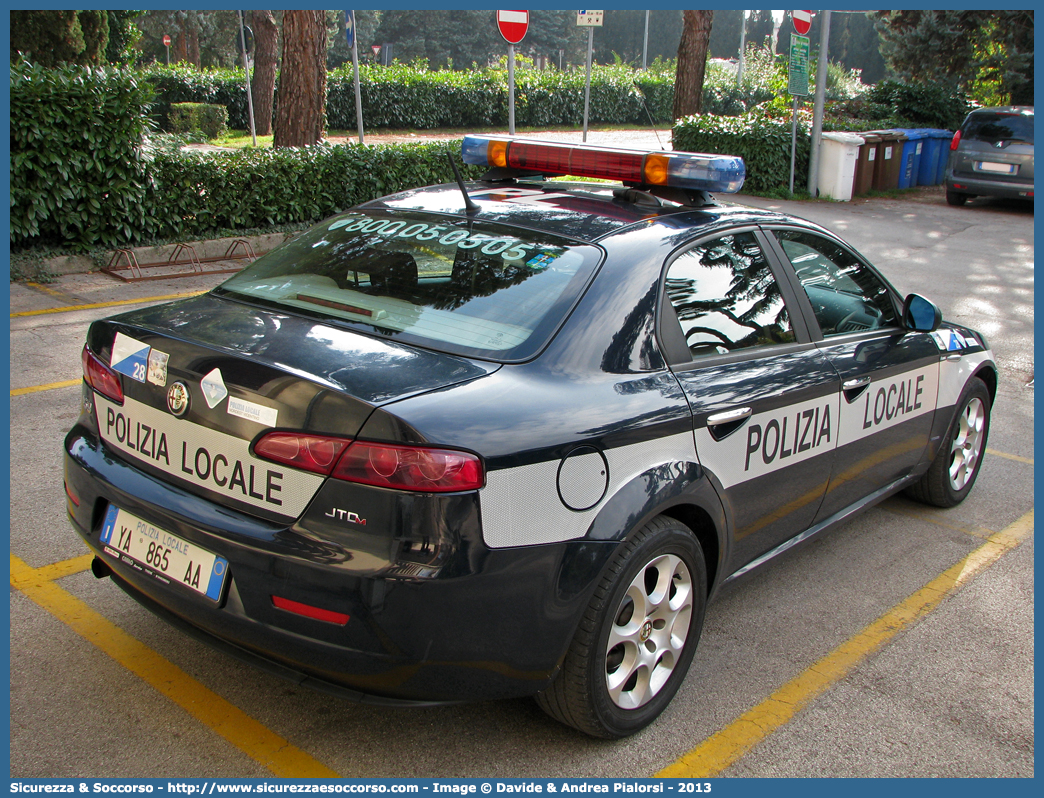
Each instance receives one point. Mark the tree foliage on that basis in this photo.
(622, 36)
(201, 38)
(987, 53)
(443, 38)
(339, 53)
(50, 38)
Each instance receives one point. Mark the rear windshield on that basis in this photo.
(456, 285)
(994, 127)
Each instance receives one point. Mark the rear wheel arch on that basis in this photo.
(706, 532)
(684, 494)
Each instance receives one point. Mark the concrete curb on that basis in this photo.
(144, 256)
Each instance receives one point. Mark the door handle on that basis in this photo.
(859, 382)
(728, 416)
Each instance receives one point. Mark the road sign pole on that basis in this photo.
(817, 112)
(645, 42)
(797, 86)
(743, 46)
(587, 83)
(358, 90)
(511, 89)
(793, 143)
(353, 43)
(246, 71)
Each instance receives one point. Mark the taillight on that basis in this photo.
(100, 377)
(416, 468)
(316, 453)
(955, 140)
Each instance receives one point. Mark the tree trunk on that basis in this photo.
(262, 82)
(300, 117)
(186, 45)
(692, 62)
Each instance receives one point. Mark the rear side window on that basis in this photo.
(994, 127)
(726, 297)
(460, 286)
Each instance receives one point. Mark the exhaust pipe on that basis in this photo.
(100, 569)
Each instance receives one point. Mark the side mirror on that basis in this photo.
(921, 314)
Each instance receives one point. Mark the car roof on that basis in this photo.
(587, 212)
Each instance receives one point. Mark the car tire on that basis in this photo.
(952, 473)
(956, 198)
(637, 637)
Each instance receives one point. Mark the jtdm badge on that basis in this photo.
(214, 390)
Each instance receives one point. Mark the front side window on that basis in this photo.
(846, 295)
(726, 297)
(461, 286)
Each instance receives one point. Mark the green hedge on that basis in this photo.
(210, 120)
(194, 193)
(933, 105)
(762, 142)
(185, 84)
(79, 173)
(404, 97)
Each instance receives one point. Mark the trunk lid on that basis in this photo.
(205, 377)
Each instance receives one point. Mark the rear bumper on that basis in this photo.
(985, 187)
(489, 624)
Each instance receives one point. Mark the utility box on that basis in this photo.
(838, 159)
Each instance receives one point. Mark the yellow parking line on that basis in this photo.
(115, 303)
(1015, 457)
(44, 289)
(50, 386)
(255, 740)
(729, 745)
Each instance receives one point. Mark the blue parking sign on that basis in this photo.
(349, 27)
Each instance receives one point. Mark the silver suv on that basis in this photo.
(992, 155)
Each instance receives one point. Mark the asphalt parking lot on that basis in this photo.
(900, 644)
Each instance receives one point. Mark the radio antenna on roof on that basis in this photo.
(469, 204)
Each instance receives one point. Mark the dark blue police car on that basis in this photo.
(506, 439)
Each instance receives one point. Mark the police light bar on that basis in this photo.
(682, 170)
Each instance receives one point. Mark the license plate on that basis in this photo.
(162, 554)
(1003, 168)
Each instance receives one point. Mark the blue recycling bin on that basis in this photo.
(944, 155)
(928, 165)
(911, 157)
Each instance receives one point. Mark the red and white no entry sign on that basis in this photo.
(802, 21)
(513, 25)
(166, 40)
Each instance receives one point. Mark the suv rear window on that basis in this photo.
(456, 285)
(993, 127)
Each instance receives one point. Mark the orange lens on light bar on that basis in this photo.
(656, 169)
(685, 170)
(497, 153)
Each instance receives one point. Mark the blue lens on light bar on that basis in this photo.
(721, 173)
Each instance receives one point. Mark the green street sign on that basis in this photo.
(797, 74)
